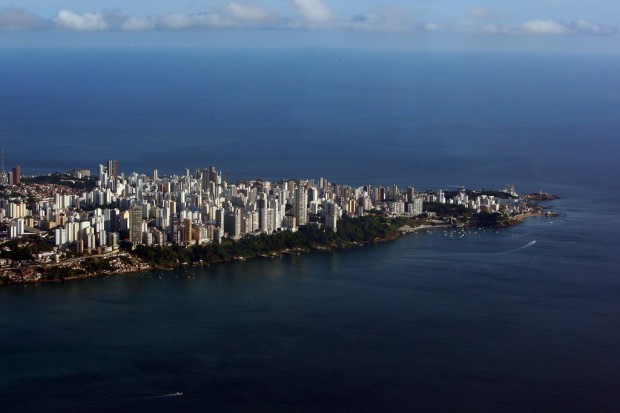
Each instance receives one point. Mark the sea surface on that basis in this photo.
(524, 319)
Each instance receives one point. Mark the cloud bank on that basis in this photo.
(543, 27)
(314, 11)
(16, 19)
(303, 15)
(534, 27)
(66, 19)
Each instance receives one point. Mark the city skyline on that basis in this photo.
(204, 207)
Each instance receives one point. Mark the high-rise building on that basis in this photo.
(205, 180)
(417, 207)
(394, 193)
(331, 216)
(135, 224)
(3, 177)
(410, 194)
(233, 223)
(175, 229)
(113, 239)
(441, 196)
(15, 175)
(113, 169)
(186, 232)
(300, 209)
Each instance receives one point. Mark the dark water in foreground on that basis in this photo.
(438, 321)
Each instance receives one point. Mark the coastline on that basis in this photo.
(148, 234)
(144, 267)
(140, 266)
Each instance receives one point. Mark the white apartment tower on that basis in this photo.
(300, 209)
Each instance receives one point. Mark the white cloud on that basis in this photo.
(67, 19)
(178, 21)
(543, 27)
(232, 15)
(586, 27)
(433, 27)
(250, 12)
(314, 11)
(528, 28)
(386, 19)
(134, 23)
(13, 18)
(308, 15)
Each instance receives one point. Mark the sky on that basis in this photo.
(540, 25)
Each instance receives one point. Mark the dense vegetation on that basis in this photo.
(486, 219)
(350, 230)
(25, 248)
(446, 210)
(87, 183)
(96, 265)
(60, 273)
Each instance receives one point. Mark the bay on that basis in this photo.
(474, 320)
(463, 320)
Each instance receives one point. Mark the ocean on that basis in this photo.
(520, 319)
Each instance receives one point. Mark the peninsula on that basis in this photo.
(73, 225)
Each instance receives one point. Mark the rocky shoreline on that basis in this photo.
(356, 232)
(126, 263)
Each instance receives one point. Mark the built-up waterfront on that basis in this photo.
(57, 225)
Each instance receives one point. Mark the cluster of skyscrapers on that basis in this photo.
(203, 207)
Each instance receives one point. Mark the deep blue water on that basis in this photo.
(437, 321)
(422, 119)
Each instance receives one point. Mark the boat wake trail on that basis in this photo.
(529, 244)
(161, 396)
(472, 254)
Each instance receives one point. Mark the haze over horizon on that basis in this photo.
(540, 26)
